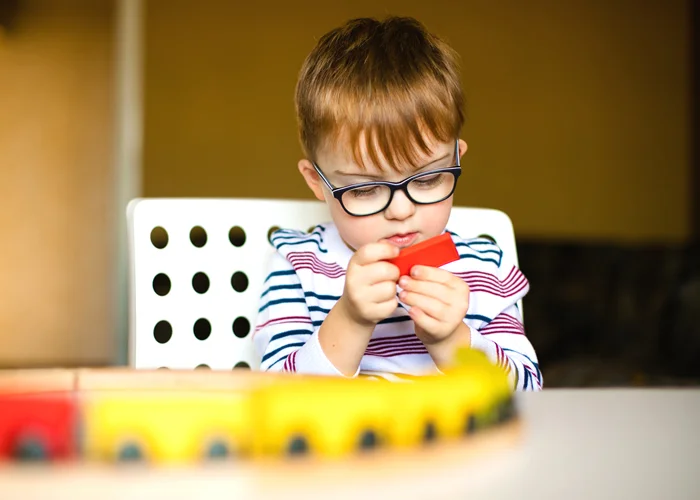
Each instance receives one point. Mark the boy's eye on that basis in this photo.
(366, 191)
(429, 180)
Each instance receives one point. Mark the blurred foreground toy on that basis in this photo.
(189, 417)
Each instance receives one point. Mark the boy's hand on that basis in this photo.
(439, 301)
(370, 284)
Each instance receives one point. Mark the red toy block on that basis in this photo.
(434, 252)
(38, 426)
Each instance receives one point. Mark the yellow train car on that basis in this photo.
(465, 399)
(320, 416)
(176, 417)
(166, 426)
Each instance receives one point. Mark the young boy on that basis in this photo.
(379, 107)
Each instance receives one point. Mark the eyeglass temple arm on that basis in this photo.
(320, 174)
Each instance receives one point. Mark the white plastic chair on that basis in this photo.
(197, 268)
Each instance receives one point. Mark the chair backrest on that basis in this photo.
(197, 268)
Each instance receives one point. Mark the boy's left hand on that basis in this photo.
(439, 301)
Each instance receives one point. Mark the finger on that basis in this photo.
(430, 288)
(382, 271)
(390, 304)
(428, 273)
(429, 305)
(374, 252)
(381, 292)
(423, 321)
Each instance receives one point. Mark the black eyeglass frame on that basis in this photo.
(338, 192)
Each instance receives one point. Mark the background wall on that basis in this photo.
(56, 178)
(578, 111)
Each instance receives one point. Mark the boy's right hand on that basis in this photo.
(370, 284)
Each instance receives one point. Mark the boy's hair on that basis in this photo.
(388, 83)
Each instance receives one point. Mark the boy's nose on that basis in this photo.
(400, 207)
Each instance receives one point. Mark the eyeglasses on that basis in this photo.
(369, 198)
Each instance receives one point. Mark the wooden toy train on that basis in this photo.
(172, 416)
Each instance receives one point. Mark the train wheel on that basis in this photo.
(218, 450)
(297, 446)
(506, 410)
(130, 452)
(430, 432)
(31, 450)
(471, 424)
(368, 440)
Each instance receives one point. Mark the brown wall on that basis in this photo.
(578, 111)
(56, 297)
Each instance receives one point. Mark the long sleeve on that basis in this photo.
(504, 342)
(285, 338)
(496, 287)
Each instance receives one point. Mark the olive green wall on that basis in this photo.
(578, 111)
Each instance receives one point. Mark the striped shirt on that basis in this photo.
(306, 278)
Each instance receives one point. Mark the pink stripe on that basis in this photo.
(316, 264)
(474, 284)
(286, 319)
(399, 339)
(396, 353)
(310, 258)
(508, 318)
(490, 277)
(317, 271)
(394, 348)
(290, 362)
(503, 322)
(502, 331)
(477, 279)
(501, 355)
(534, 375)
(500, 291)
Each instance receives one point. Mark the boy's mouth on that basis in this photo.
(403, 240)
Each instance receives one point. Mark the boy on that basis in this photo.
(379, 107)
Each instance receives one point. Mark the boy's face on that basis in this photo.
(403, 222)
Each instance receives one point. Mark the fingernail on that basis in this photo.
(403, 281)
(414, 271)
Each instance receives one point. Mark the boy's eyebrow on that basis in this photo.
(363, 174)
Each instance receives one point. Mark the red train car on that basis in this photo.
(38, 426)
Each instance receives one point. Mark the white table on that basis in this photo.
(575, 444)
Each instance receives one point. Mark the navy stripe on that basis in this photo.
(321, 297)
(280, 301)
(496, 250)
(537, 366)
(281, 359)
(289, 334)
(272, 353)
(298, 235)
(281, 287)
(528, 379)
(280, 273)
(319, 309)
(484, 242)
(483, 259)
(395, 319)
(478, 317)
(322, 250)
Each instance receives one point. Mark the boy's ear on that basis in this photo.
(462, 148)
(312, 179)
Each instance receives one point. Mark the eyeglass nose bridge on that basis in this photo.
(402, 186)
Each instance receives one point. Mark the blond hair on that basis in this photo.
(390, 83)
